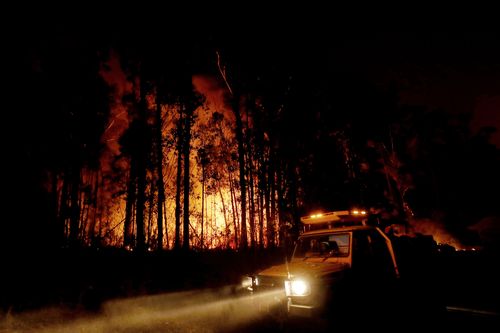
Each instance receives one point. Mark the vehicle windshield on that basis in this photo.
(323, 246)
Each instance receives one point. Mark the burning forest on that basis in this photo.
(153, 147)
(137, 141)
(187, 190)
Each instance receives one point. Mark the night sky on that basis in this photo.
(458, 72)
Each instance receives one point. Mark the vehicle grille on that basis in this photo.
(268, 283)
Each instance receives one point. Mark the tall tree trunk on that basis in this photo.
(267, 195)
(141, 167)
(234, 207)
(64, 208)
(59, 228)
(159, 171)
(252, 208)
(93, 200)
(84, 202)
(241, 162)
(177, 240)
(141, 205)
(281, 207)
(75, 207)
(212, 219)
(293, 197)
(102, 213)
(251, 202)
(272, 187)
(131, 196)
(95, 203)
(261, 204)
(225, 218)
(187, 151)
(202, 201)
(260, 209)
(150, 215)
(167, 240)
(55, 208)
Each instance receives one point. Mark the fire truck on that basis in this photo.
(342, 265)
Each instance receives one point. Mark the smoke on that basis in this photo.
(109, 209)
(488, 230)
(216, 98)
(190, 311)
(118, 121)
(435, 229)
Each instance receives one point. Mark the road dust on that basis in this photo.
(208, 311)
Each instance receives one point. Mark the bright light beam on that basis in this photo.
(192, 311)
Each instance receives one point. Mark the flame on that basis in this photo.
(217, 180)
(118, 121)
(216, 99)
(220, 204)
(435, 229)
(488, 230)
(111, 212)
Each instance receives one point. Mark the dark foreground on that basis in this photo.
(118, 292)
(220, 311)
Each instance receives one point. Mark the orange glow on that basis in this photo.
(110, 211)
(213, 185)
(216, 96)
(118, 121)
(435, 229)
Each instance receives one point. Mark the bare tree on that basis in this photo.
(159, 170)
(177, 241)
(235, 105)
(141, 166)
(188, 120)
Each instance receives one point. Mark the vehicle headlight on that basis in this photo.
(297, 288)
(250, 282)
(246, 282)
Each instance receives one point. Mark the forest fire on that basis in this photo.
(106, 198)
(144, 159)
(219, 149)
(436, 230)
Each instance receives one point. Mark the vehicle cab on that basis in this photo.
(340, 262)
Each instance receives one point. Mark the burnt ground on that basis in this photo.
(117, 291)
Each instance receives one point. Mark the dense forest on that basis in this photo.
(135, 136)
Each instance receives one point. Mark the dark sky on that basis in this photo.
(458, 72)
